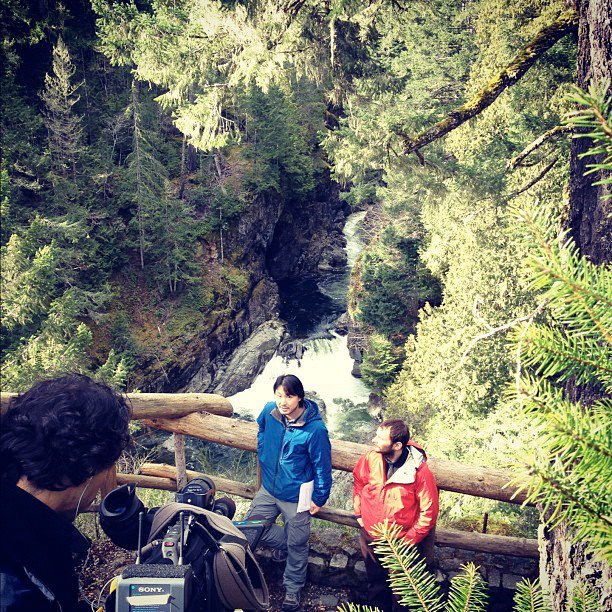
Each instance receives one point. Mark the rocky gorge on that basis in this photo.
(277, 241)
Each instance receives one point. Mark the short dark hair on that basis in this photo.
(63, 431)
(398, 431)
(291, 384)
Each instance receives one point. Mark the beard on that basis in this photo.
(386, 452)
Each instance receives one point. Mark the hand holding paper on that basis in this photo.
(305, 499)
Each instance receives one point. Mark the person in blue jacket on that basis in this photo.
(293, 448)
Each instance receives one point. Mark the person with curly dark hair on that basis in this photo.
(57, 443)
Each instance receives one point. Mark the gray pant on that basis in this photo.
(292, 538)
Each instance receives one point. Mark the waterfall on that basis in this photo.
(325, 368)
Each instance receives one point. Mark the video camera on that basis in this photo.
(195, 558)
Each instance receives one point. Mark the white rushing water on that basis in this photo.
(326, 365)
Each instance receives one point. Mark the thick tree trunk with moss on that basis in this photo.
(563, 564)
(590, 217)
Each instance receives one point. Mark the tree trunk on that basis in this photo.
(564, 563)
(590, 217)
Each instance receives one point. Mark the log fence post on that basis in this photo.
(180, 461)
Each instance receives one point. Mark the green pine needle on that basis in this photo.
(530, 598)
(468, 592)
(408, 575)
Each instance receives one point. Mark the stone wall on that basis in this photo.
(335, 560)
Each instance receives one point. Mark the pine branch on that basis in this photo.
(571, 479)
(541, 407)
(584, 599)
(568, 278)
(530, 598)
(351, 607)
(567, 22)
(559, 494)
(555, 353)
(596, 116)
(536, 144)
(408, 575)
(468, 592)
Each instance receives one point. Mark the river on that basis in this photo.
(310, 309)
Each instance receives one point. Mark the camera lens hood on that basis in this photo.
(225, 507)
(199, 492)
(119, 512)
(121, 504)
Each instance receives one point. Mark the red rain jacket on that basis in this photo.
(409, 498)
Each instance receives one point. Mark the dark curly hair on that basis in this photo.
(63, 431)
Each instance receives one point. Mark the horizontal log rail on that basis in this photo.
(450, 475)
(163, 476)
(204, 416)
(167, 405)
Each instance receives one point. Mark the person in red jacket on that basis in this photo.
(393, 481)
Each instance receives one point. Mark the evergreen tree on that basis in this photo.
(145, 178)
(180, 230)
(277, 143)
(381, 362)
(64, 127)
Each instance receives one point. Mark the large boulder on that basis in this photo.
(249, 359)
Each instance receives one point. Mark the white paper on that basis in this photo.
(305, 498)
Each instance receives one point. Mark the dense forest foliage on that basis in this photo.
(136, 134)
(113, 222)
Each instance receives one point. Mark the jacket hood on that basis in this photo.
(312, 412)
(407, 473)
(417, 446)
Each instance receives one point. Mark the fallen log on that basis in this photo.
(450, 475)
(168, 405)
(165, 478)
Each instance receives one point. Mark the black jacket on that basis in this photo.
(36, 556)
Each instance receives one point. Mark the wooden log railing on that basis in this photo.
(450, 475)
(163, 476)
(204, 416)
(168, 405)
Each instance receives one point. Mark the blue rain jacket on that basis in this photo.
(293, 453)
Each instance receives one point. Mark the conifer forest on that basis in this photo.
(170, 166)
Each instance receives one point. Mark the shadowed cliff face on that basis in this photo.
(275, 239)
(308, 235)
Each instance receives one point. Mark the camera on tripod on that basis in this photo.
(190, 556)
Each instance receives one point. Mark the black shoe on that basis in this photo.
(291, 602)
